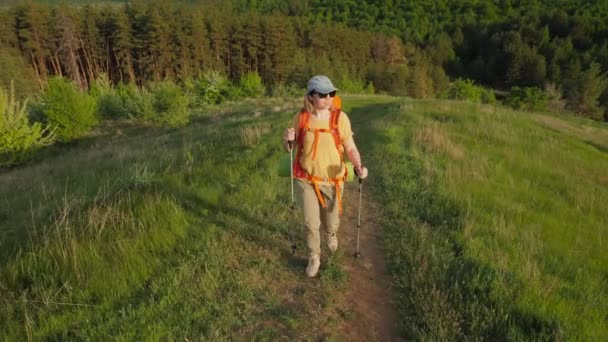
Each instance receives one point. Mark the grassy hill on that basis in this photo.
(495, 219)
(493, 223)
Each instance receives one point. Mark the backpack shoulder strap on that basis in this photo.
(303, 126)
(335, 129)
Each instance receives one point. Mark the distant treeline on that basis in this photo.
(401, 47)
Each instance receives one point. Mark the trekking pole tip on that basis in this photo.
(357, 255)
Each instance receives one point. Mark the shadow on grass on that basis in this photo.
(252, 228)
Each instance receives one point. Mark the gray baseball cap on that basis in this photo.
(320, 84)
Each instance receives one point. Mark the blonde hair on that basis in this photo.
(307, 106)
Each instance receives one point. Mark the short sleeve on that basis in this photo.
(346, 131)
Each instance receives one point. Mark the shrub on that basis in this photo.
(170, 104)
(389, 78)
(463, 89)
(18, 139)
(70, 111)
(555, 100)
(109, 103)
(347, 84)
(210, 87)
(135, 102)
(251, 85)
(527, 98)
(584, 88)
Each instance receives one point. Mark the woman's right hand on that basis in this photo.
(290, 134)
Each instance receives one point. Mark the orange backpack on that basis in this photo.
(299, 172)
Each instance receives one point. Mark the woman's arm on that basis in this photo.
(353, 155)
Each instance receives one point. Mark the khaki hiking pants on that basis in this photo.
(315, 215)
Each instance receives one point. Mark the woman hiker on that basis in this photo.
(322, 134)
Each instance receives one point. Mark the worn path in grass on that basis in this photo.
(367, 298)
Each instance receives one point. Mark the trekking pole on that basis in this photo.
(357, 254)
(294, 247)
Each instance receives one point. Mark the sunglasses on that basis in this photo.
(322, 95)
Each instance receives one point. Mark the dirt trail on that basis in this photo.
(367, 299)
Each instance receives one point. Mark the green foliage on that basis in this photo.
(464, 89)
(527, 98)
(392, 79)
(583, 91)
(283, 90)
(161, 103)
(109, 102)
(135, 102)
(70, 111)
(352, 85)
(15, 69)
(171, 105)
(210, 87)
(18, 138)
(251, 85)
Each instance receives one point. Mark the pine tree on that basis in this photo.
(200, 45)
(8, 38)
(121, 46)
(278, 48)
(584, 90)
(155, 61)
(180, 30)
(91, 43)
(68, 44)
(217, 27)
(33, 36)
(253, 44)
(236, 42)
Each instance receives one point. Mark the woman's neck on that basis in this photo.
(321, 113)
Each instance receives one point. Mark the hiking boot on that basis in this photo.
(332, 242)
(313, 266)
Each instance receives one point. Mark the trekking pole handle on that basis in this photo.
(290, 143)
(357, 174)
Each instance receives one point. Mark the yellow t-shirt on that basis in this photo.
(327, 162)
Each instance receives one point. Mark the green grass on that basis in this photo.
(495, 222)
(148, 233)
(494, 228)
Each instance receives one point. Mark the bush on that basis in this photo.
(210, 87)
(251, 85)
(170, 106)
(18, 139)
(463, 89)
(389, 78)
(527, 98)
(555, 100)
(347, 84)
(135, 102)
(70, 111)
(109, 103)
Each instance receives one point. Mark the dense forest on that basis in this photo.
(401, 47)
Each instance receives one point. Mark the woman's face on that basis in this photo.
(323, 101)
